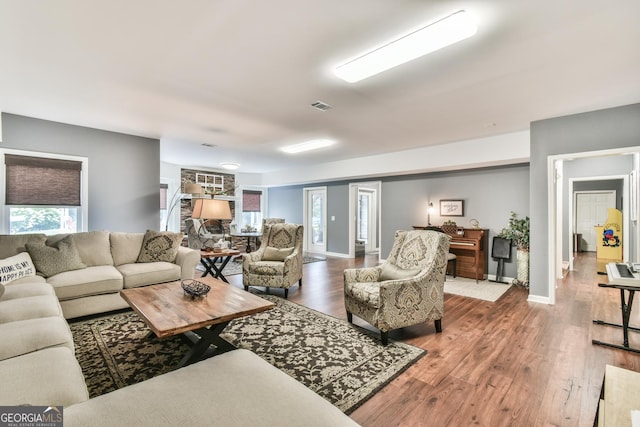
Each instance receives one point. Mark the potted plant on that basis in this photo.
(518, 233)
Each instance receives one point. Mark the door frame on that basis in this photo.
(572, 210)
(353, 203)
(305, 220)
(372, 224)
(554, 212)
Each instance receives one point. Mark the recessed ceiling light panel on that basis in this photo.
(451, 29)
(229, 166)
(308, 146)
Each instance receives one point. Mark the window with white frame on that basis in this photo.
(43, 193)
(252, 207)
(211, 183)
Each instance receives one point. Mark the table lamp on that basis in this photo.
(212, 209)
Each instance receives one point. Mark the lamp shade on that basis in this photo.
(192, 188)
(211, 209)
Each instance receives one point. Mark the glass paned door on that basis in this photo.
(316, 220)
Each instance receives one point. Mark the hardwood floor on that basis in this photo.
(508, 363)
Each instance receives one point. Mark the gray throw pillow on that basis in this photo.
(391, 272)
(51, 260)
(275, 254)
(159, 246)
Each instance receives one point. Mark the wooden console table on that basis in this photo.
(471, 252)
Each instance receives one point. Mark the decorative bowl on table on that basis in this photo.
(195, 289)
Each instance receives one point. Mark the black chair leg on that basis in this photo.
(438, 325)
(286, 293)
(300, 282)
(246, 288)
(349, 317)
(455, 267)
(384, 337)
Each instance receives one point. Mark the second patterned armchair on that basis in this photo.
(278, 261)
(405, 290)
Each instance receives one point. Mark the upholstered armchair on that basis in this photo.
(197, 236)
(278, 261)
(405, 290)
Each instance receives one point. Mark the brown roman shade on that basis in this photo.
(251, 200)
(42, 181)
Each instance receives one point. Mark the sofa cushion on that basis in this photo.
(125, 247)
(276, 254)
(49, 377)
(391, 272)
(25, 290)
(269, 268)
(93, 247)
(159, 246)
(29, 308)
(51, 260)
(96, 280)
(29, 335)
(29, 279)
(148, 273)
(213, 392)
(365, 292)
(11, 245)
(16, 267)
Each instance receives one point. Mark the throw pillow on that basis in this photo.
(159, 246)
(275, 254)
(51, 260)
(16, 267)
(391, 272)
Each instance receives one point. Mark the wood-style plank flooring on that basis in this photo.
(508, 363)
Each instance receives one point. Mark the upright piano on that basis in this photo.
(471, 249)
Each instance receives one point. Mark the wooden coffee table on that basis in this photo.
(167, 311)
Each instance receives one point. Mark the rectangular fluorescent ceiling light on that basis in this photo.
(455, 27)
(308, 146)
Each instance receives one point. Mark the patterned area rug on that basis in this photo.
(341, 362)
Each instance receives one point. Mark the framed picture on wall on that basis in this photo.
(452, 207)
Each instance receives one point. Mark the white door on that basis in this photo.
(591, 210)
(316, 220)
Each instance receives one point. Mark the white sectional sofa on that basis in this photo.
(38, 364)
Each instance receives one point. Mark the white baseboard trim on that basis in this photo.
(337, 255)
(505, 280)
(538, 299)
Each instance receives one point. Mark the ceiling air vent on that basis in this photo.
(322, 106)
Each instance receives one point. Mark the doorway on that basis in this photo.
(366, 220)
(364, 217)
(315, 220)
(591, 208)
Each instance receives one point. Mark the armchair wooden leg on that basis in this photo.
(384, 337)
(286, 293)
(246, 288)
(300, 282)
(349, 317)
(438, 325)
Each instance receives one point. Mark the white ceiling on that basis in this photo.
(241, 75)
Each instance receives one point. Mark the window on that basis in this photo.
(252, 208)
(212, 184)
(164, 188)
(43, 193)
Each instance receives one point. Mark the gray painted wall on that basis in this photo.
(489, 194)
(593, 131)
(124, 170)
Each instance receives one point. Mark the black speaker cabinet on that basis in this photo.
(501, 248)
